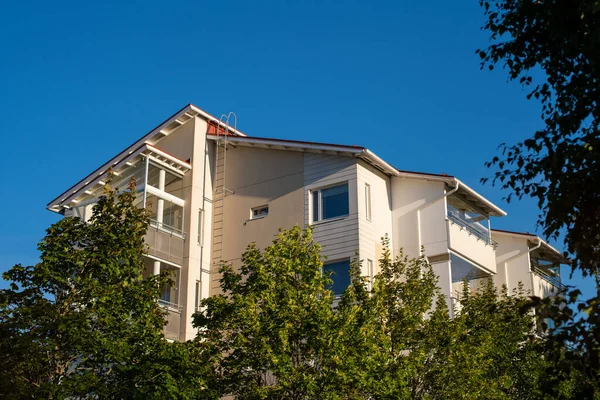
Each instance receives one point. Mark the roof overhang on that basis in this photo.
(153, 137)
(550, 253)
(312, 147)
(92, 181)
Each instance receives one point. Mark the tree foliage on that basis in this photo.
(276, 332)
(83, 322)
(558, 164)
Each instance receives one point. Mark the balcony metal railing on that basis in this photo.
(165, 242)
(480, 233)
(551, 279)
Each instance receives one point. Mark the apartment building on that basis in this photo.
(212, 190)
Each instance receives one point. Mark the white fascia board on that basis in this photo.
(360, 152)
(289, 144)
(499, 212)
(515, 234)
(426, 177)
(379, 162)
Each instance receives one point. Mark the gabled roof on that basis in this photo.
(164, 129)
(235, 136)
(535, 240)
(314, 147)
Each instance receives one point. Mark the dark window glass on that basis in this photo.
(340, 274)
(335, 201)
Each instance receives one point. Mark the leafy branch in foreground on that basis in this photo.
(558, 164)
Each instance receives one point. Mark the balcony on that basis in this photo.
(173, 327)
(546, 278)
(165, 242)
(469, 232)
(169, 295)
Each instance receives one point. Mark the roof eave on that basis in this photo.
(496, 211)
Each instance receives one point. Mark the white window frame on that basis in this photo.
(370, 272)
(200, 227)
(319, 218)
(368, 210)
(252, 216)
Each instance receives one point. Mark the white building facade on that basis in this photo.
(212, 190)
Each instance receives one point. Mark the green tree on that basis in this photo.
(267, 334)
(557, 165)
(83, 322)
(277, 332)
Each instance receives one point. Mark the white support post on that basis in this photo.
(156, 269)
(160, 204)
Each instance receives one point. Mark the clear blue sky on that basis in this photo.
(79, 81)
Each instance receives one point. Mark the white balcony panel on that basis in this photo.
(470, 246)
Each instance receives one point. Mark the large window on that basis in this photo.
(339, 272)
(330, 202)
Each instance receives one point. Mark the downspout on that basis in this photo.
(427, 205)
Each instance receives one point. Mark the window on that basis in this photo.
(197, 296)
(259, 212)
(201, 227)
(371, 273)
(368, 201)
(330, 202)
(339, 272)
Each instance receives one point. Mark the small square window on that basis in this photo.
(259, 212)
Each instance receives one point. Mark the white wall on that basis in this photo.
(470, 246)
(512, 261)
(371, 232)
(407, 196)
(339, 237)
(541, 287)
(256, 177)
